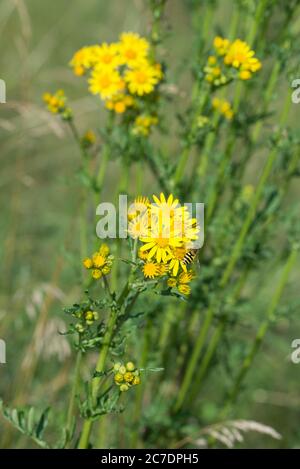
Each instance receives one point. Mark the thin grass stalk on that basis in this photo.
(230, 266)
(219, 330)
(141, 389)
(263, 329)
(254, 204)
(198, 97)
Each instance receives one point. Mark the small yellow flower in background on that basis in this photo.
(91, 317)
(172, 282)
(57, 104)
(202, 121)
(126, 376)
(87, 263)
(142, 79)
(119, 378)
(119, 103)
(82, 60)
(232, 60)
(88, 139)
(79, 327)
(240, 56)
(100, 263)
(221, 45)
(133, 49)
(224, 107)
(139, 207)
(214, 75)
(106, 56)
(184, 289)
(130, 366)
(118, 70)
(143, 124)
(105, 82)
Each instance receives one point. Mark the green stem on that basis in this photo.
(96, 382)
(216, 337)
(186, 151)
(253, 206)
(193, 360)
(74, 392)
(140, 389)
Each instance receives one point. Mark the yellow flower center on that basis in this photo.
(179, 253)
(130, 54)
(162, 242)
(150, 269)
(99, 260)
(105, 81)
(141, 77)
(107, 58)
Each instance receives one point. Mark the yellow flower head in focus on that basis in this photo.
(177, 260)
(151, 270)
(133, 49)
(170, 227)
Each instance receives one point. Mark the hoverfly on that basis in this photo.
(190, 256)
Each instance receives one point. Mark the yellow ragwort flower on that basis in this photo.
(150, 270)
(83, 59)
(143, 78)
(239, 55)
(119, 103)
(224, 107)
(100, 262)
(221, 45)
(133, 49)
(143, 124)
(106, 56)
(105, 82)
(184, 289)
(126, 376)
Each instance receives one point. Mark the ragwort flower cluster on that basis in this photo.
(100, 262)
(126, 376)
(166, 231)
(120, 72)
(232, 60)
(57, 104)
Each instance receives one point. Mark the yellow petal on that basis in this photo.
(152, 252)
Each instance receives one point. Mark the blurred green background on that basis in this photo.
(39, 205)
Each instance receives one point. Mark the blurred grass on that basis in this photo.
(39, 222)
